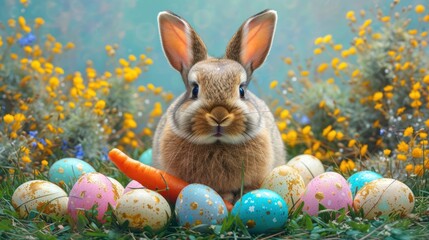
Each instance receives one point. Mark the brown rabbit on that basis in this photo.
(218, 130)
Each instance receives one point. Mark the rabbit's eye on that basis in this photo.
(195, 91)
(241, 92)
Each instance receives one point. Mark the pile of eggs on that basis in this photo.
(302, 181)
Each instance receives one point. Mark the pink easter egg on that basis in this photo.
(133, 185)
(91, 189)
(329, 189)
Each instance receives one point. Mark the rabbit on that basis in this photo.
(218, 133)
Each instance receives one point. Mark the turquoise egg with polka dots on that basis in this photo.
(262, 211)
(197, 205)
(66, 171)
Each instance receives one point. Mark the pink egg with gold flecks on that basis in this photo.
(133, 185)
(91, 189)
(329, 189)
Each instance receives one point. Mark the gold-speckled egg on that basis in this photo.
(287, 182)
(383, 197)
(41, 196)
(308, 166)
(142, 208)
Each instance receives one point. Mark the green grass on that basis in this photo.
(328, 225)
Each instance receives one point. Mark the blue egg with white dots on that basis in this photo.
(262, 211)
(360, 179)
(199, 204)
(66, 171)
(146, 157)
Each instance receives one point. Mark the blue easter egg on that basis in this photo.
(360, 179)
(67, 171)
(146, 157)
(199, 204)
(262, 211)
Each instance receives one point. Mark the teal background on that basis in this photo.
(133, 25)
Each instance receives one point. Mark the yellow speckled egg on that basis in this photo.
(308, 166)
(383, 197)
(40, 195)
(142, 208)
(287, 182)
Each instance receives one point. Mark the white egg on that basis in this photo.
(117, 186)
(287, 182)
(41, 196)
(383, 197)
(308, 166)
(142, 208)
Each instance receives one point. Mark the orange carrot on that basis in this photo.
(168, 185)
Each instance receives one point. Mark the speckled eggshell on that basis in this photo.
(360, 179)
(133, 185)
(308, 166)
(287, 182)
(66, 171)
(199, 204)
(92, 189)
(262, 211)
(142, 208)
(329, 189)
(383, 197)
(117, 186)
(41, 196)
(146, 157)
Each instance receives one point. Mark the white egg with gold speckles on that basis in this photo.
(308, 166)
(41, 196)
(384, 196)
(143, 208)
(199, 204)
(287, 182)
(117, 186)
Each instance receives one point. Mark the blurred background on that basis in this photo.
(132, 24)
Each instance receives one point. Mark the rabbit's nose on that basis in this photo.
(219, 116)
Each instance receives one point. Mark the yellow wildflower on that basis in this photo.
(281, 126)
(306, 130)
(305, 73)
(377, 96)
(132, 58)
(287, 60)
(147, 131)
(335, 62)
(322, 104)
(322, 67)
(338, 47)
(331, 135)
(402, 147)
(347, 166)
(148, 61)
(385, 19)
(419, 9)
(423, 135)
(417, 152)
(387, 152)
(141, 88)
(100, 104)
(402, 157)
(273, 84)
(284, 114)
(8, 118)
(412, 31)
(142, 56)
(363, 150)
(318, 41)
(339, 135)
(409, 168)
(408, 132)
(350, 15)
(26, 159)
(39, 22)
(419, 170)
(317, 51)
(326, 130)
(342, 66)
(426, 18)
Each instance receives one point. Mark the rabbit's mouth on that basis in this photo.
(218, 131)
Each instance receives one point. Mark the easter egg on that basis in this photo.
(41, 196)
(199, 204)
(91, 189)
(383, 197)
(308, 166)
(359, 179)
(287, 182)
(117, 186)
(143, 208)
(67, 170)
(146, 157)
(262, 211)
(133, 185)
(329, 189)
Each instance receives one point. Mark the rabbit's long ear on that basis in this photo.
(182, 46)
(252, 42)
